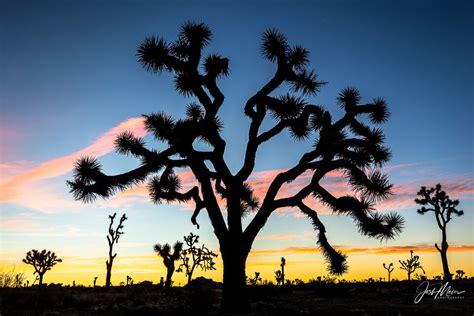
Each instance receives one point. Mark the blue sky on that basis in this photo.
(69, 74)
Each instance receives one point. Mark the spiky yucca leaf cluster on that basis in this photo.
(275, 48)
(336, 260)
(165, 188)
(164, 251)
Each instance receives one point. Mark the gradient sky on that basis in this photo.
(70, 81)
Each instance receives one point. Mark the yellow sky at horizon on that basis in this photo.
(301, 264)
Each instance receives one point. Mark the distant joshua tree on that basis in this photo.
(95, 281)
(278, 277)
(129, 280)
(438, 202)
(460, 274)
(389, 268)
(411, 264)
(282, 265)
(113, 238)
(195, 257)
(164, 251)
(42, 261)
(255, 279)
(349, 143)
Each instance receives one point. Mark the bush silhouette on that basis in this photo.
(41, 261)
(348, 144)
(437, 201)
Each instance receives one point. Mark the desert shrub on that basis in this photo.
(202, 294)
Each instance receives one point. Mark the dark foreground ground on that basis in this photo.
(203, 298)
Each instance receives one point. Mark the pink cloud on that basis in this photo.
(9, 189)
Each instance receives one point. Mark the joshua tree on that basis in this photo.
(195, 257)
(280, 274)
(278, 277)
(459, 274)
(389, 269)
(164, 251)
(42, 261)
(348, 144)
(129, 280)
(95, 281)
(113, 238)
(438, 202)
(411, 264)
(256, 279)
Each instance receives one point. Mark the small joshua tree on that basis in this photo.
(389, 268)
(282, 265)
(169, 258)
(459, 274)
(255, 279)
(278, 277)
(195, 257)
(411, 264)
(113, 238)
(42, 261)
(95, 281)
(129, 280)
(437, 201)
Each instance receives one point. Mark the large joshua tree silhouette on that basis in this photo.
(113, 238)
(348, 144)
(164, 251)
(42, 261)
(437, 201)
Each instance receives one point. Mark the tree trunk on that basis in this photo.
(444, 260)
(169, 275)
(234, 295)
(40, 279)
(282, 275)
(109, 273)
(409, 276)
(444, 257)
(389, 276)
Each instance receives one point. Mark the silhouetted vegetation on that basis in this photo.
(389, 269)
(255, 279)
(348, 144)
(194, 257)
(437, 201)
(280, 274)
(411, 264)
(12, 279)
(460, 274)
(113, 238)
(164, 251)
(200, 297)
(42, 261)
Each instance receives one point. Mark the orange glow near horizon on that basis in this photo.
(302, 262)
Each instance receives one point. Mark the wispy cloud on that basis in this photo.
(19, 181)
(18, 184)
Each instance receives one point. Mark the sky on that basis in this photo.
(70, 82)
